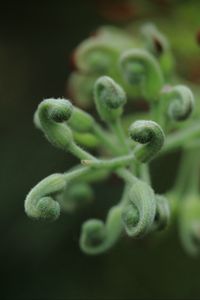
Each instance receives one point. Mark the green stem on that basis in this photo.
(76, 173)
(125, 193)
(111, 163)
(80, 153)
(82, 173)
(145, 174)
(105, 139)
(118, 130)
(127, 176)
(123, 141)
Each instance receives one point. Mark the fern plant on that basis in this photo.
(119, 70)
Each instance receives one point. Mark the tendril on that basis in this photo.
(97, 237)
(50, 117)
(140, 68)
(180, 102)
(39, 203)
(95, 56)
(109, 98)
(139, 212)
(150, 134)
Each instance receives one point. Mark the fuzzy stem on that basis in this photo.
(79, 152)
(125, 193)
(127, 176)
(145, 174)
(111, 163)
(102, 136)
(118, 130)
(70, 175)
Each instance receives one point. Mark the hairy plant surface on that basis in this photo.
(114, 70)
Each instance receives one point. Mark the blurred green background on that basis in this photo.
(43, 260)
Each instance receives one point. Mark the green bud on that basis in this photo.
(39, 203)
(150, 134)
(140, 68)
(109, 98)
(97, 237)
(88, 140)
(51, 117)
(81, 121)
(179, 101)
(139, 212)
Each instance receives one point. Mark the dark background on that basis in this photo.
(43, 261)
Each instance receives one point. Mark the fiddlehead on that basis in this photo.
(95, 56)
(50, 117)
(140, 68)
(180, 102)
(97, 237)
(150, 134)
(39, 203)
(109, 98)
(139, 211)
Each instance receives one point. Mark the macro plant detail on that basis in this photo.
(100, 54)
(110, 76)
